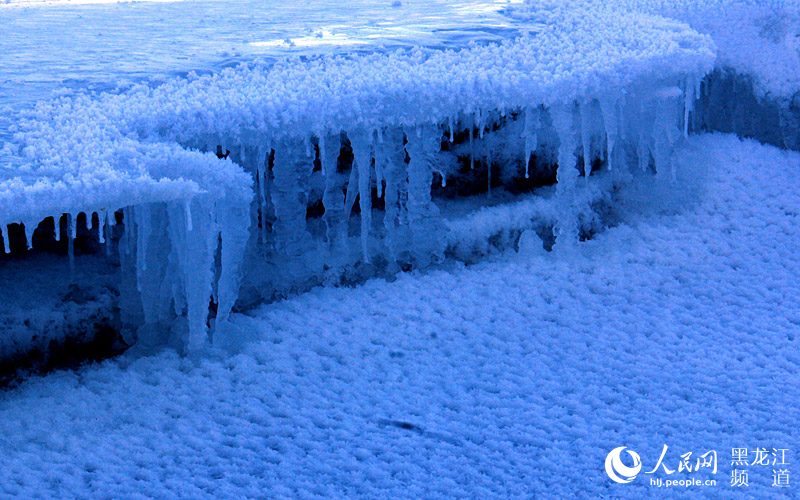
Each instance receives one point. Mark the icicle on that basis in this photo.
(452, 131)
(423, 215)
(261, 177)
(289, 197)
(57, 227)
(489, 169)
(471, 149)
(71, 241)
(176, 232)
(393, 155)
(5, 241)
(196, 258)
(142, 214)
(643, 152)
(322, 160)
(689, 102)
(608, 108)
(444, 179)
(666, 131)
(101, 225)
(88, 221)
(362, 142)
(260, 200)
(127, 234)
(352, 191)
(187, 213)
(73, 227)
(29, 227)
(586, 139)
(332, 197)
(106, 229)
(233, 220)
(567, 175)
(530, 135)
(378, 162)
(480, 123)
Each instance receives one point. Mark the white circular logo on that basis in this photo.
(619, 472)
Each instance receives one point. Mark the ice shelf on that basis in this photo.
(586, 93)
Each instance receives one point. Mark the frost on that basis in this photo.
(310, 138)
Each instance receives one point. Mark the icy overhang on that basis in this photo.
(117, 150)
(627, 82)
(758, 38)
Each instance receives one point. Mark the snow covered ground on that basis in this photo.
(516, 377)
(674, 328)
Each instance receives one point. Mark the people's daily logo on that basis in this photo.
(617, 470)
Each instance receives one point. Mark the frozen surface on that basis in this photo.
(513, 377)
(758, 38)
(62, 47)
(570, 83)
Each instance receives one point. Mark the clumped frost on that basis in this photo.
(343, 132)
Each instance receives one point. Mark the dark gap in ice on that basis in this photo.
(86, 344)
(730, 103)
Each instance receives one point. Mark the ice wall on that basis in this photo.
(350, 138)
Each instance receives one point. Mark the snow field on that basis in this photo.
(508, 378)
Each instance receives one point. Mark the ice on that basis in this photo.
(333, 195)
(756, 41)
(71, 241)
(151, 152)
(564, 122)
(197, 259)
(426, 233)
(530, 136)
(29, 228)
(292, 168)
(492, 367)
(610, 114)
(361, 142)
(392, 156)
(234, 222)
(586, 113)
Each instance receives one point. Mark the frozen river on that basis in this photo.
(54, 48)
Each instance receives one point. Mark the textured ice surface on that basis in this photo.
(510, 378)
(626, 83)
(755, 91)
(760, 38)
(67, 47)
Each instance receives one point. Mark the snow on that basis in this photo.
(643, 295)
(63, 47)
(759, 38)
(512, 377)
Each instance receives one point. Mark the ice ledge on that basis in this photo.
(142, 150)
